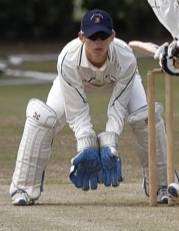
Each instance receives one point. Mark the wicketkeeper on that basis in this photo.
(95, 58)
(168, 14)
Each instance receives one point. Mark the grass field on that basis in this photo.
(61, 206)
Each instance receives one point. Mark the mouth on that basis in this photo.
(98, 50)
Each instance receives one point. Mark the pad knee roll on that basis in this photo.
(34, 149)
(40, 113)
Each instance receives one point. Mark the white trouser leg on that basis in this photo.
(56, 102)
(138, 122)
(138, 115)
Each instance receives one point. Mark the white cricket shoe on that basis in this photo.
(173, 190)
(21, 198)
(162, 195)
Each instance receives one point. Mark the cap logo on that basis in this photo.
(97, 18)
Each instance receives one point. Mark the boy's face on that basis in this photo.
(97, 45)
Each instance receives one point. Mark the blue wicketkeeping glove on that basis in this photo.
(111, 162)
(86, 165)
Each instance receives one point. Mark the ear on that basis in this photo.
(111, 38)
(81, 36)
(113, 34)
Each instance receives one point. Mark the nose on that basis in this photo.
(98, 41)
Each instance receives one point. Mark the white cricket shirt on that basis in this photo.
(75, 71)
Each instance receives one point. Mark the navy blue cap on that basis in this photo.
(96, 21)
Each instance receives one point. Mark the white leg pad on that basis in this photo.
(34, 149)
(138, 121)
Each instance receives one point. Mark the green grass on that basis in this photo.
(48, 66)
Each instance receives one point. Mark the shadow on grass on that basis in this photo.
(101, 204)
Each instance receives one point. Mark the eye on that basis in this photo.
(99, 35)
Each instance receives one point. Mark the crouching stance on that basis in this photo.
(96, 58)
